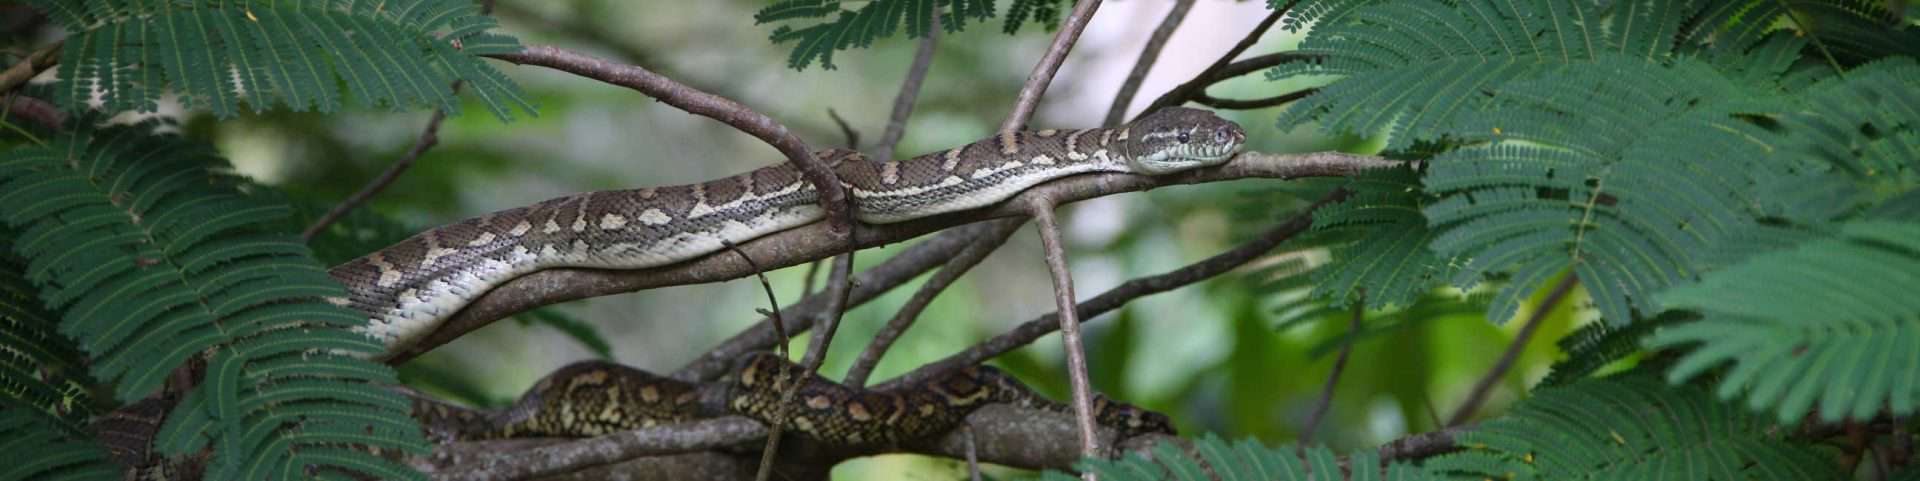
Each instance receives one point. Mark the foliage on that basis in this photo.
(150, 265)
(1833, 321)
(49, 449)
(1390, 261)
(882, 18)
(219, 53)
(1629, 427)
(1245, 460)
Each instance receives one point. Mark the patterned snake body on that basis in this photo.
(410, 288)
(595, 398)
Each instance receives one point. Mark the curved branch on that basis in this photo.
(1236, 104)
(806, 243)
(833, 196)
(1148, 55)
(1042, 75)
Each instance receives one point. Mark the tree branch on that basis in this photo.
(1063, 300)
(806, 243)
(1333, 377)
(833, 197)
(1042, 75)
(35, 110)
(909, 91)
(971, 255)
(1213, 73)
(1236, 104)
(429, 137)
(1148, 56)
(39, 61)
(1027, 332)
(511, 459)
(1480, 389)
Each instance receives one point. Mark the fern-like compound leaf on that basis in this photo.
(1247, 460)
(149, 266)
(1630, 426)
(1830, 323)
(220, 54)
(42, 447)
(1390, 261)
(877, 19)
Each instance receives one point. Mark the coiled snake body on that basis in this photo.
(409, 288)
(595, 398)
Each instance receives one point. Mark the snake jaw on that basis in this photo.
(1179, 139)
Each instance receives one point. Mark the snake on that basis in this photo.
(408, 289)
(597, 398)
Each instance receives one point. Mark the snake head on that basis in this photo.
(1174, 139)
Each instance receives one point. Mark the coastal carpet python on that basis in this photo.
(409, 288)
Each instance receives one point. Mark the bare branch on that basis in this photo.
(1333, 377)
(853, 136)
(1212, 73)
(1148, 55)
(510, 464)
(833, 196)
(39, 61)
(779, 323)
(1042, 75)
(829, 322)
(909, 91)
(1063, 300)
(1235, 104)
(806, 243)
(1031, 330)
(35, 110)
(429, 137)
(1480, 389)
(968, 257)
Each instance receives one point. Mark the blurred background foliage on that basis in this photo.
(1241, 355)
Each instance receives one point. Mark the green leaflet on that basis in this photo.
(220, 54)
(148, 265)
(1629, 427)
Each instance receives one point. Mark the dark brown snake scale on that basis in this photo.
(595, 398)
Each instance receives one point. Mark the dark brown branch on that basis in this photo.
(1255, 64)
(1036, 85)
(1333, 377)
(968, 257)
(1148, 56)
(1236, 104)
(806, 243)
(779, 323)
(429, 137)
(1480, 389)
(909, 91)
(902, 267)
(1063, 300)
(852, 136)
(39, 61)
(1027, 332)
(1185, 91)
(833, 197)
(499, 464)
(35, 110)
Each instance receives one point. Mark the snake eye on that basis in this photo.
(1220, 136)
(1184, 137)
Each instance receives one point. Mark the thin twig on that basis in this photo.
(1119, 296)
(853, 136)
(816, 354)
(1056, 256)
(973, 454)
(1480, 389)
(902, 319)
(1333, 377)
(1236, 104)
(813, 271)
(833, 196)
(779, 324)
(909, 91)
(669, 438)
(30, 67)
(1212, 73)
(1148, 56)
(1036, 84)
(429, 137)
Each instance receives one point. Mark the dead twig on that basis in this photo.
(1480, 389)
(1148, 56)
(1056, 256)
(429, 137)
(1036, 84)
(968, 257)
(909, 91)
(1333, 377)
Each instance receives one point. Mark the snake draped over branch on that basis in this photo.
(410, 288)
